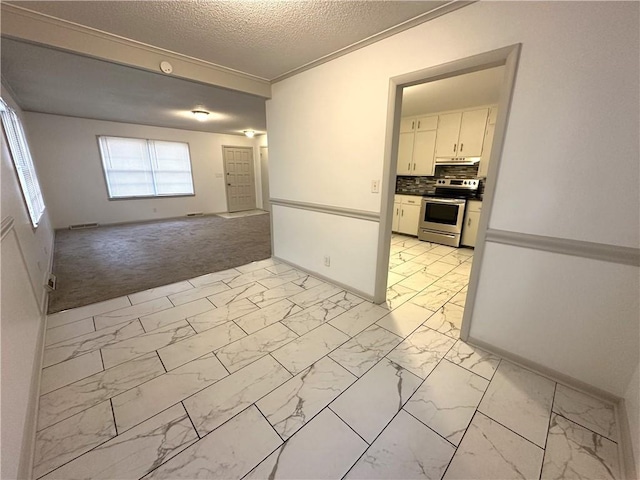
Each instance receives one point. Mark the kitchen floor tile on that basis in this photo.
(374, 399)
(105, 320)
(358, 318)
(218, 316)
(325, 448)
(236, 294)
(421, 351)
(406, 449)
(172, 315)
(316, 294)
(273, 295)
(261, 318)
(346, 300)
(295, 402)
(68, 331)
(447, 400)
(473, 359)
(405, 319)
(397, 295)
(306, 320)
(433, 297)
(489, 451)
(70, 371)
(297, 355)
(447, 319)
(520, 400)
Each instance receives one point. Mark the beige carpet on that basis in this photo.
(106, 262)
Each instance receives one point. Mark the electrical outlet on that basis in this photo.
(327, 261)
(375, 186)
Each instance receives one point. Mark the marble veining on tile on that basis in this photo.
(67, 401)
(279, 268)
(421, 351)
(346, 300)
(312, 317)
(68, 331)
(575, 452)
(209, 278)
(325, 448)
(64, 441)
(473, 359)
(592, 413)
(172, 315)
(315, 295)
(447, 319)
(280, 278)
(236, 294)
(447, 400)
(373, 400)
(250, 277)
(520, 400)
(158, 292)
(296, 401)
(196, 293)
(110, 319)
(197, 345)
(397, 295)
(80, 313)
(307, 281)
(64, 373)
(229, 452)
(405, 319)
(250, 348)
(268, 297)
(358, 318)
(216, 404)
(90, 342)
(258, 265)
(365, 349)
(433, 297)
(218, 316)
(134, 453)
(405, 449)
(268, 315)
(489, 451)
(120, 352)
(304, 351)
(142, 402)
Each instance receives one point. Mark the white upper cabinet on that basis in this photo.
(416, 146)
(461, 134)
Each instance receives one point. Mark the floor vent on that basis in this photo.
(83, 225)
(51, 282)
(195, 214)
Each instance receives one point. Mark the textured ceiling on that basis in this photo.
(51, 81)
(265, 38)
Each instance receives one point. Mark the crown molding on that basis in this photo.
(26, 25)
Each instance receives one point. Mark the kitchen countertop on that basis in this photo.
(429, 194)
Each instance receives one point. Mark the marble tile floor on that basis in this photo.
(263, 371)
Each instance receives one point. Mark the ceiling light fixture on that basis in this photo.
(250, 133)
(201, 115)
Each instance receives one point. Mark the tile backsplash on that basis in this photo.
(427, 185)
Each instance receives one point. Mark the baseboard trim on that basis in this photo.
(627, 459)
(149, 220)
(366, 296)
(328, 209)
(578, 248)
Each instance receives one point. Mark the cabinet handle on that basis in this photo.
(409, 166)
(413, 124)
(397, 211)
(414, 167)
(469, 223)
(454, 146)
(418, 123)
(461, 146)
(402, 212)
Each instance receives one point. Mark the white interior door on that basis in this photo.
(241, 187)
(264, 176)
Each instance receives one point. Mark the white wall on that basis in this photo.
(569, 168)
(26, 262)
(67, 155)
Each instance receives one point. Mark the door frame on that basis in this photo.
(507, 57)
(253, 175)
(266, 195)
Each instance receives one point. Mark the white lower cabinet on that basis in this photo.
(406, 214)
(471, 221)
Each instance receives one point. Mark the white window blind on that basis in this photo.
(22, 160)
(136, 167)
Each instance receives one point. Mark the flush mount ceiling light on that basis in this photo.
(250, 133)
(201, 115)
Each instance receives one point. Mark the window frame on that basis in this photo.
(143, 197)
(25, 151)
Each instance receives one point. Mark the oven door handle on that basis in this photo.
(444, 200)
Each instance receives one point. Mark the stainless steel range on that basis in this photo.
(441, 217)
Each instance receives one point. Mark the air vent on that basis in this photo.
(83, 225)
(51, 282)
(195, 214)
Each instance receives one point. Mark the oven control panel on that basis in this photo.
(462, 183)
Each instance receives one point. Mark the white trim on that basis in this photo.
(27, 25)
(328, 209)
(565, 246)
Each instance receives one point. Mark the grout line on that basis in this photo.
(189, 417)
(113, 413)
(272, 427)
(328, 407)
(101, 359)
(160, 358)
(434, 431)
(546, 439)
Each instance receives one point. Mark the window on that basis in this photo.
(135, 167)
(22, 160)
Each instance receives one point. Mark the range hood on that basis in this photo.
(457, 161)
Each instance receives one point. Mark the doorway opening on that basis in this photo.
(239, 178)
(445, 133)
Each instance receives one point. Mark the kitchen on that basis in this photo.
(445, 142)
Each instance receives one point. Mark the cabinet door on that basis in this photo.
(448, 131)
(424, 148)
(409, 219)
(396, 216)
(405, 153)
(407, 124)
(427, 123)
(483, 168)
(470, 229)
(472, 128)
